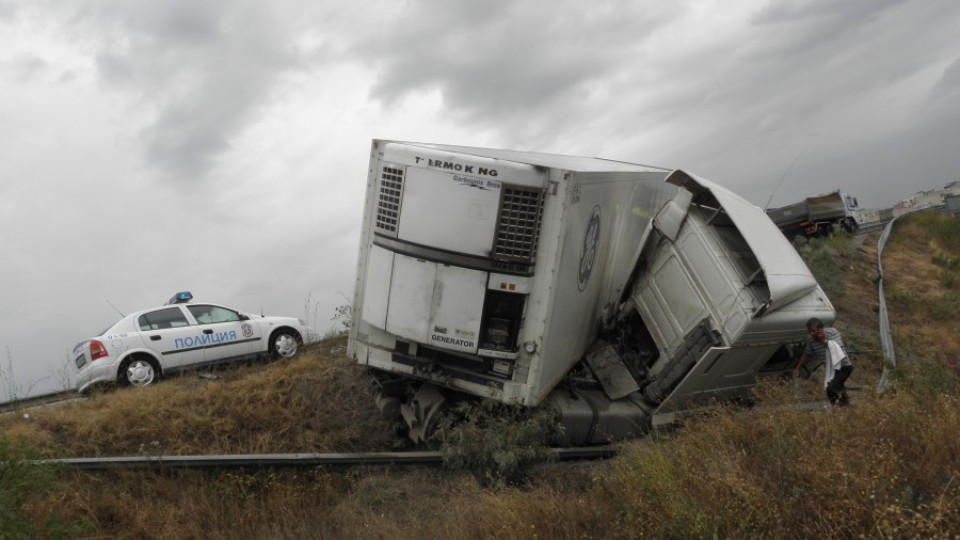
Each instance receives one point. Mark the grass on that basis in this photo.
(922, 286)
(828, 260)
(942, 229)
(318, 402)
(886, 467)
(23, 489)
(946, 261)
(497, 443)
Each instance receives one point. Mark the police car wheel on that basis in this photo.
(284, 345)
(138, 372)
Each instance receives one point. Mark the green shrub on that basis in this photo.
(948, 279)
(944, 308)
(825, 258)
(946, 261)
(21, 480)
(497, 443)
(944, 229)
(927, 380)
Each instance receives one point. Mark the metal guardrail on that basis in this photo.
(292, 460)
(39, 401)
(886, 340)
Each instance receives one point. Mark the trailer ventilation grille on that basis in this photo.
(388, 207)
(518, 227)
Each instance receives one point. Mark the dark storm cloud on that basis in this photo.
(508, 62)
(737, 99)
(840, 85)
(200, 69)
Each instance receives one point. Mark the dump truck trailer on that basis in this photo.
(615, 294)
(817, 216)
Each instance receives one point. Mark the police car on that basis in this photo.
(148, 344)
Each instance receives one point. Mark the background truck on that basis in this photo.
(614, 293)
(817, 216)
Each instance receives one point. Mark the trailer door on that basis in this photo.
(436, 304)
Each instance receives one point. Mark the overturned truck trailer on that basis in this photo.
(616, 294)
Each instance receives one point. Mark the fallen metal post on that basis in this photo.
(292, 460)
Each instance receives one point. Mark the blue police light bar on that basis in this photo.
(181, 298)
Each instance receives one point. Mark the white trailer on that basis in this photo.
(615, 293)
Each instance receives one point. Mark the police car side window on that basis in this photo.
(213, 314)
(161, 319)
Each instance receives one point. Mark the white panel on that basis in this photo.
(671, 215)
(411, 295)
(659, 324)
(377, 287)
(457, 308)
(680, 297)
(717, 286)
(452, 211)
(735, 322)
(720, 374)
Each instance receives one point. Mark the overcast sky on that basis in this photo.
(221, 147)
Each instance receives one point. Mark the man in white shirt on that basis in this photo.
(837, 370)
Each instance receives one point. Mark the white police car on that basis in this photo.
(143, 346)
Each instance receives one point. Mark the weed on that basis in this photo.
(946, 261)
(948, 279)
(826, 260)
(22, 483)
(944, 308)
(498, 443)
(313, 403)
(942, 228)
(902, 296)
(927, 380)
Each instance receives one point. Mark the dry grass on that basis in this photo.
(886, 467)
(924, 303)
(317, 402)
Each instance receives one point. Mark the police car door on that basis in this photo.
(224, 332)
(166, 331)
